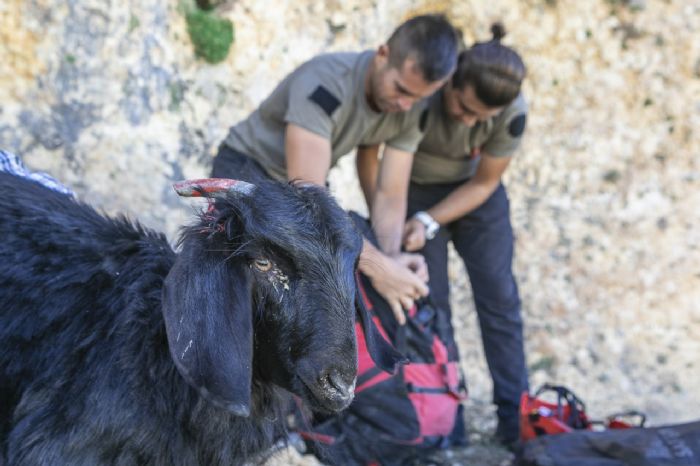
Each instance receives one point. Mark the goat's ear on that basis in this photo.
(383, 354)
(208, 319)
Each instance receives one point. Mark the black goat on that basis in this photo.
(115, 350)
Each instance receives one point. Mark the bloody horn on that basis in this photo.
(212, 187)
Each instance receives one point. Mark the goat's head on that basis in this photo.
(264, 287)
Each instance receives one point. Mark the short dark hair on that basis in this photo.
(495, 71)
(428, 39)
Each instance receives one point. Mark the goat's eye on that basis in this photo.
(262, 265)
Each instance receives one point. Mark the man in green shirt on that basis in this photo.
(335, 102)
(472, 128)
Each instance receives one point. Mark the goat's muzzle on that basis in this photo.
(332, 387)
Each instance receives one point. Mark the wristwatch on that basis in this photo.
(431, 226)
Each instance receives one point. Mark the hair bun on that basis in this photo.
(498, 30)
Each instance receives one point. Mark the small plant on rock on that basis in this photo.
(211, 35)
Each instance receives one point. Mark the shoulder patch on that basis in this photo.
(517, 125)
(422, 123)
(324, 99)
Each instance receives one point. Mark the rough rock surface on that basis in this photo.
(108, 97)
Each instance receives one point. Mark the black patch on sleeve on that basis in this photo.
(324, 99)
(422, 123)
(517, 125)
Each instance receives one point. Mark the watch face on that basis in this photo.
(431, 231)
(431, 226)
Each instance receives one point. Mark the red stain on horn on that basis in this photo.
(212, 187)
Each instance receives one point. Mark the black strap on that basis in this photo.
(435, 390)
(577, 408)
(371, 373)
(434, 318)
(400, 342)
(629, 414)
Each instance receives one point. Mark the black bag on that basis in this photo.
(672, 445)
(396, 419)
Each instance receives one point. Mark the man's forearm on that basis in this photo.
(472, 193)
(461, 201)
(370, 259)
(390, 199)
(388, 216)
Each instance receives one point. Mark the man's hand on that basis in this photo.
(415, 263)
(400, 286)
(394, 279)
(413, 235)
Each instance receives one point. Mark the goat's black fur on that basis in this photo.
(90, 308)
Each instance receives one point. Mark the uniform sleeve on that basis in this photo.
(412, 130)
(313, 103)
(508, 132)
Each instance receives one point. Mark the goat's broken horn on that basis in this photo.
(212, 187)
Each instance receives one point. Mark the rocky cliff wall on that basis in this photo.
(108, 97)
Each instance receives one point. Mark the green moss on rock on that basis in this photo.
(211, 36)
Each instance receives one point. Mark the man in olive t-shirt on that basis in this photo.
(455, 182)
(336, 102)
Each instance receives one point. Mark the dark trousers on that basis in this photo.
(484, 240)
(230, 163)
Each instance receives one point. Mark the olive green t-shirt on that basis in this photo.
(450, 151)
(326, 96)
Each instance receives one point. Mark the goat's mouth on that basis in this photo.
(326, 396)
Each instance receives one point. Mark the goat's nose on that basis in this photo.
(343, 385)
(332, 386)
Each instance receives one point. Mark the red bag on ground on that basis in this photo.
(567, 413)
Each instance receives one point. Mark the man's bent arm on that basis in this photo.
(367, 164)
(308, 155)
(472, 193)
(308, 159)
(467, 197)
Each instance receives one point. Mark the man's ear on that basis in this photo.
(383, 53)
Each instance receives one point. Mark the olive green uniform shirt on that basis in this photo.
(326, 96)
(450, 151)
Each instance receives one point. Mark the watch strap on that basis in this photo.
(431, 226)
